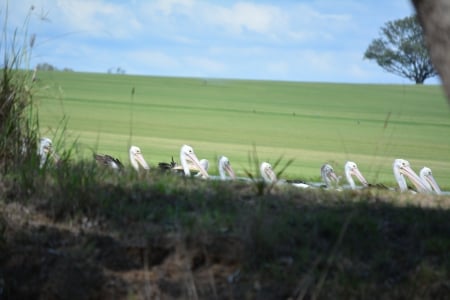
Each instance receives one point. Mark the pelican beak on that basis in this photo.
(55, 156)
(355, 172)
(50, 153)
(270, 174)
(48, 149)
(230, 171)
(408, 172)
(193, 158)
(333, 176)
(430, 179)
(140, 159)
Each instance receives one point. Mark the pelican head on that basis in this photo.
(428, 180)
(187, 157)
(328, 175)
(45, 151)
(225, 168)
(137, 159)
(402, 168)
(267, 172)
(351, 169)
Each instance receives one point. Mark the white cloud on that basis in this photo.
(357, 71)
(317, 61)
(278, 69)
(169, 7)
(204, 66)
(246, 16)
(97, 18)
(236, 51)
(153, 59)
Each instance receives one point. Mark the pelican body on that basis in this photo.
(108, 161)
(205, 164)
(164, 166)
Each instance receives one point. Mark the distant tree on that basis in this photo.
(401, 50)
(117, 70)
(46, 67)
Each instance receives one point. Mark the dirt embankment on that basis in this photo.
(44, 260)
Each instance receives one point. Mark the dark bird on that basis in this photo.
(108, 161)
(166, 166)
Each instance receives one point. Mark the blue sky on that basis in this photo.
(295, 40)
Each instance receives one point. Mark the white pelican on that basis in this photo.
(137, 159)
(188, 158)
(329, 176)
(427, 178)
(108, 161)
(269, 176)
(225, 168)
(401, 169)
(45, 151)
(267, 173)
(351, 169)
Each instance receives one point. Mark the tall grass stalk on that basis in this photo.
(19, 124)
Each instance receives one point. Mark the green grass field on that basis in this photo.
(311, 123)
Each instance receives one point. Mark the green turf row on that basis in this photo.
(311, 123)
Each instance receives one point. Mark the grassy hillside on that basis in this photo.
(78, 231)
(311, 123)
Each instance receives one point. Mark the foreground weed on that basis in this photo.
(18, 118)
(260, 185)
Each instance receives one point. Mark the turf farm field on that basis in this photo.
(311, 123)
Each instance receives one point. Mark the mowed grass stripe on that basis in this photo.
(309, 122)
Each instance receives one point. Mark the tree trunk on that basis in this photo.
(434, 16)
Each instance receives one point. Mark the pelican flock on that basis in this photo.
(190, 164)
